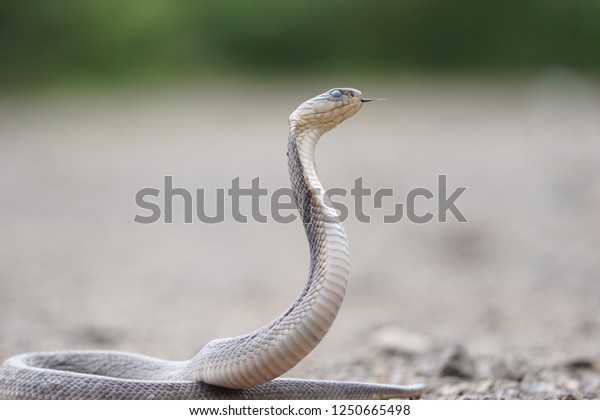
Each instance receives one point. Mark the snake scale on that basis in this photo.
(244, 367)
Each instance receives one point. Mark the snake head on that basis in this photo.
(327, 110)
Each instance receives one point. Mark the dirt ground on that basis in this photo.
(503, 306)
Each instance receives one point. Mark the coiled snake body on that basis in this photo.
(242, 367)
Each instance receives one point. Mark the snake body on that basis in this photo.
(244, 367)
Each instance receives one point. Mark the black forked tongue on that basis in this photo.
(374, 99)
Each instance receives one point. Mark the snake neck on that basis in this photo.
(312, 202)
(272, 350)
(328, 246)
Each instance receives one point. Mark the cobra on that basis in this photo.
(244, 367)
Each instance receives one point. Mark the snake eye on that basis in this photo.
(335, 94)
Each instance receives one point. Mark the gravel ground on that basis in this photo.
(504, 306)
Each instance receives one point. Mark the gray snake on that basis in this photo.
(244, 367)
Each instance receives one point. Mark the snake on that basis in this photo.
(248, 366)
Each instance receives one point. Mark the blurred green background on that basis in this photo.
(71, 41)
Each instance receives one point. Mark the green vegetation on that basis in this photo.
(44, 41)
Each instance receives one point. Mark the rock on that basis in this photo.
(580, 363)
(457, 362)
(395, 340)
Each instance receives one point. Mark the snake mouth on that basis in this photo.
(371, 100)
(342, 106)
